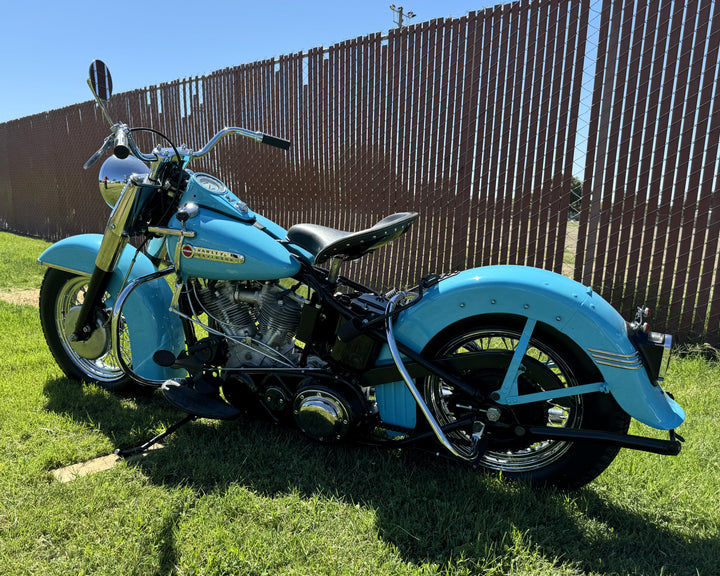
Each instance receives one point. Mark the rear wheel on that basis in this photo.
(550, 362)
(61, 296)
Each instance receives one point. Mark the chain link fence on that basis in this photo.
(576, 136)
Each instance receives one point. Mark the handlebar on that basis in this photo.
(124, 145)
(257, 136)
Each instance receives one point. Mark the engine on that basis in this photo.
(259, 319)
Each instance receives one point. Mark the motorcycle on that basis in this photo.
(507, 369)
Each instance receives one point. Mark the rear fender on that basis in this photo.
(152, 326)
(541, 297)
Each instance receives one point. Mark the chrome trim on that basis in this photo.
(114, 175)
(190, 208)
(170, 232)
(624, 361)
(63, 268)
(114, 237)
(179, 245)
(612, 354)
(619, 366)
(187, 153)
(621, 361)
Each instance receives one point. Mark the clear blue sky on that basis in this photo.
(47, 46)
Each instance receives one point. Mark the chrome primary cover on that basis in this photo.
(322, 414)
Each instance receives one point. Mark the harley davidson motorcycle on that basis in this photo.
(506, 368)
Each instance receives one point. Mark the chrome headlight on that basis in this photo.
(115, 173)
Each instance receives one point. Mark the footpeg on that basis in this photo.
(207, 352)
(167, 359)
(198, 399)
(164, 358)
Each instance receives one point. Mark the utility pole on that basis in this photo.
(399, 12)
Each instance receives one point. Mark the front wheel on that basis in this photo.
(551, 362)
(61, 296)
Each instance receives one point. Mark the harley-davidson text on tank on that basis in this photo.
(214, 255)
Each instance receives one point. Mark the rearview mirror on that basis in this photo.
(100, 80)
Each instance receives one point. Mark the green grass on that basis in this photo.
(249, 497)
(17, 262)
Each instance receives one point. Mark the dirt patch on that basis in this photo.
(30, 297)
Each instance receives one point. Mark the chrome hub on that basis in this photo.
(93, 347)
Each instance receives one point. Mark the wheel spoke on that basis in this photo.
(545, 370)
(103, 369)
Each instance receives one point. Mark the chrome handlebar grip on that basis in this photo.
(124, 142)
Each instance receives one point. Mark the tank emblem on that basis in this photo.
(213, 255)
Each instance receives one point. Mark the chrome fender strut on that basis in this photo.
(478, 427)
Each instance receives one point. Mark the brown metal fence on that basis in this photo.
(478, 123)
(650, 217)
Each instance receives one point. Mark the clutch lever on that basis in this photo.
(95, 157)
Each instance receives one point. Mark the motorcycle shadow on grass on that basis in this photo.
(430, 510)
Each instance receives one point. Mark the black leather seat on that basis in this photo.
(325, 243)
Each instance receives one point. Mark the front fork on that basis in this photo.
(113, 242)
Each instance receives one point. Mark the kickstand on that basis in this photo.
(164, 434)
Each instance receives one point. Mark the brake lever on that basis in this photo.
(95, 157)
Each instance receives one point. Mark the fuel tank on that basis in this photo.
(231, 242)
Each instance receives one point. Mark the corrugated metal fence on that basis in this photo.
(478, 123)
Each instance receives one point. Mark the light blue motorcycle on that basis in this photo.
(506, 368)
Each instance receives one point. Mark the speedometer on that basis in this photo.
(210, 183)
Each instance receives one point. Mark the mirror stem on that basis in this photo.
(99, 102)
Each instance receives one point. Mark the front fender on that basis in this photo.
(150, 323)
(557, 301)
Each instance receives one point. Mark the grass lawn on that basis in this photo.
(248, 497)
